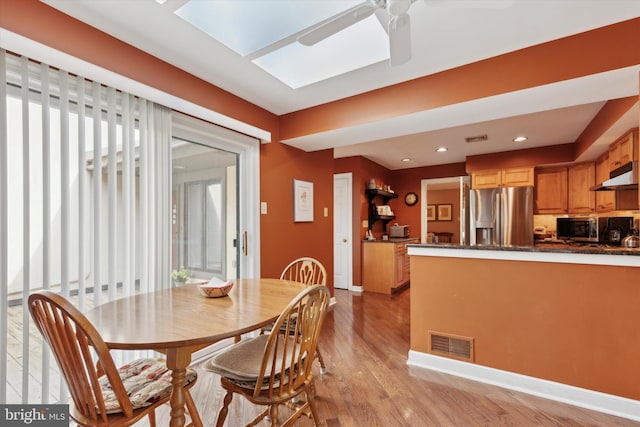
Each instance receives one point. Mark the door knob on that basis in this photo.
(344, 240)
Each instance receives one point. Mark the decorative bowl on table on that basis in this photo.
(215, 288)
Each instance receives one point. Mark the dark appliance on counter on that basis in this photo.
(578, 229)
(501, 216)
(618, 227)
(399, 231)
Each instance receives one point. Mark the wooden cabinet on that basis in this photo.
(551, 194)
(582, 177)
(516, 177)
(385, 265)
(622, 150)
(605, 200)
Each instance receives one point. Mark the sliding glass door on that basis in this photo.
(205, 233)
(215, 196)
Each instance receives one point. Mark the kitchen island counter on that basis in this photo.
(556, 320)
(544, 252)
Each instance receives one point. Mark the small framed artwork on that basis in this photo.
(302, 201)
(431, 212)
(444, 212)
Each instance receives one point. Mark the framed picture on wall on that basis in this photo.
(444, 212)
(431, 212)
(302, 201)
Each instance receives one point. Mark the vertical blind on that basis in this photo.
(85, 178)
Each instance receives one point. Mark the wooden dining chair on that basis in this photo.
(102, 394)
(309, 271)
(305, 270)
(275, 368)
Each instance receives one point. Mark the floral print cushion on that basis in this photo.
(146, 382)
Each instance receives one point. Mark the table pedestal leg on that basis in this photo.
(178, 360)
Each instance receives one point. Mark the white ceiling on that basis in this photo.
(443, 37)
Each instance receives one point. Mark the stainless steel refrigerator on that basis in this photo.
(501, 216)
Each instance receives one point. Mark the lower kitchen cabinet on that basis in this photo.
(385, 266)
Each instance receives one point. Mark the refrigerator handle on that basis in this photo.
(497, 211)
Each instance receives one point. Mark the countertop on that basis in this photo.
(577, 248)
(393, 240)
(544, 252)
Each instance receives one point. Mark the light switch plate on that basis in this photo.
(263, 208)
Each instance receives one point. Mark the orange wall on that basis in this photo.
(573, 324)
(281, 239)
(440, 197)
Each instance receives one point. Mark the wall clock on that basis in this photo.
(411, 198)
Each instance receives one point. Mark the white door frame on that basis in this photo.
(248, 150)
(461, 181)
(345, 223)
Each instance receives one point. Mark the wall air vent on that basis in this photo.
(453, 346)
(477, 138)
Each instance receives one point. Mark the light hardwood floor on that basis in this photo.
(365, 341)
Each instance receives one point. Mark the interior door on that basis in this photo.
(342, 231)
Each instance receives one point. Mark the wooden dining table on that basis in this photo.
(180, 321)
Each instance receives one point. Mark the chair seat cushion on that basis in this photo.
(146, 382)
(241, 362)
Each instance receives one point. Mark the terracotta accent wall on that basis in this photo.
(281, 239)
(606, 117)
(439, 197)
(573, 324)
(407, 180)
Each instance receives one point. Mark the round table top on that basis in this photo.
(181, 317)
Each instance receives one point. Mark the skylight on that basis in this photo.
(265, 33)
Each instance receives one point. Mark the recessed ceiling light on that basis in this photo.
(441, 149)
(520, 139)
(406, 159)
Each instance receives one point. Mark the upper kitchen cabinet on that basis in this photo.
(551, 194)
(582, 177)
(622, 150)
(517, 177)
(605, 200)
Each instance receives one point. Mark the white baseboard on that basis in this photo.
(589, 399)
(355, 289)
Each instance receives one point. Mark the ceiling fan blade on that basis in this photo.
(337, 23)
(399, 39)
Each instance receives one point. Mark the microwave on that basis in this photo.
(577, 229)
(399, 231)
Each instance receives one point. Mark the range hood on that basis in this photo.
(623, 178)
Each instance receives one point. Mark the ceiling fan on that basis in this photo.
(393, 12)
(393, 15)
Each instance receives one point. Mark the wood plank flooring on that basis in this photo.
(365, 342)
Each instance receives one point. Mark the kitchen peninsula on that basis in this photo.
(559, 322)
